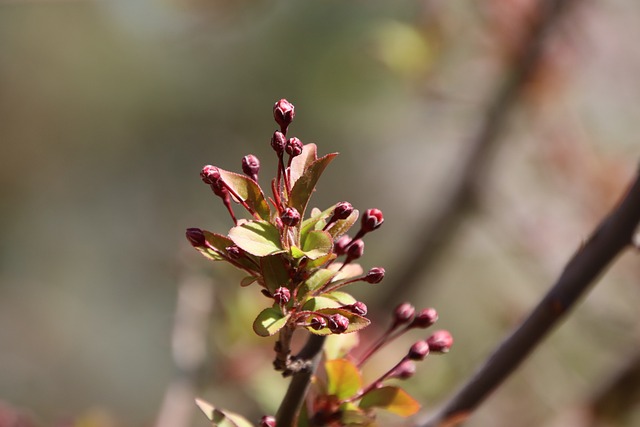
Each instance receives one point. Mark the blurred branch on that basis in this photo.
(193, 309)
(297, 391)
(460, 197)
(614, 234)
(620, 394)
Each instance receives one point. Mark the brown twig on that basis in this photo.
(462, 192)
(297, 391)
(614, 234)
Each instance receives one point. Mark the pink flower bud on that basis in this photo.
(283, 113)
(340, 245)
(404, 370)
(371, 220)
(338, 324)
(282, 295)
(440, 341)
(403, 313)
(318, 322)
(251, 166)
(290, 217)
(267, 421)
(426, 318)
(357, 307)
(418, 351)
(278, 142)
(375, 275)
(293, 147)
(210, 174)
(196, 237)
(355, 250)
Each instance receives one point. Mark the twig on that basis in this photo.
(613, 235)
(297, 391)
(462, 193)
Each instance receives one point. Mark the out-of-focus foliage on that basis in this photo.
(108, 110)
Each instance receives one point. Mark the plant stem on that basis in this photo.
(614, 234)
(299, 385)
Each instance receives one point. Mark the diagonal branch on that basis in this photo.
(614, 234)
(463, 188)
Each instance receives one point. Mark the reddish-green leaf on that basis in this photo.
(259, 238)
(343, 378)
(392, 399)
(349, 271)
(341, 226)
(246, 281)
(317, 244)
(305, 185)
(269, 321)
(248, 191)
(222, 418)
(319, 278)
(301, 162)
(274, 272)
(218, 252)
(342, 298)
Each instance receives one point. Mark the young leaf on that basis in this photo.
(301, 162)
(338, 346)
(304, 186)
(221, 418)
(341, 226)
(269, 321)
(259, 238)
(392, 399)
(316, 244)
(319, 278)
(274, 272)
(319, 303)
(343, 378)
(342, 298)
(248, 191)
(349, 271)
(220, 243)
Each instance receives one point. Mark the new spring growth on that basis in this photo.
(283, 113)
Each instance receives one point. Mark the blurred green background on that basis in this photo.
(108, 110)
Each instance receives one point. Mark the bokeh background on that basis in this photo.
(108, 110)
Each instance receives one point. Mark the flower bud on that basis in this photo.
(278, 141)
(338, 324)
(196, 237)
(342, 210)
(355, 250)
(340, 245)
(293, 147)
(318, 322)
(210, 174)
(290, 217)
(234, 252)
(404, 370)
(375, 275)
(426, 318)
(357, 307)
(282, 295)
(440, 341)
(267, 421)
(283, 113)
(418, 351)
(371, 220)
(251, 166)
(403, 313)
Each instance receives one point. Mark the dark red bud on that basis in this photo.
(251, 166)
(440, 341)
(338, 324)
(403, 313)
(283, 113)
(375, 275)
(294, 147)
(282, 295)
(317, 322)
(404, 370)
(340, 245)
(371, 220)
(196, 237)
(290, 217)
(278, 142)
(342, 210)
(425, 318)
(210, 174)
(355, 250)
(357, 307)
(234, 252)
(418, 351)
(267, 421)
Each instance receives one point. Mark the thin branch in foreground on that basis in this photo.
(299, 385)
(614, 234)
(458, 200)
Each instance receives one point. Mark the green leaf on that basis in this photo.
(343, 378)
(341, 226)
(337, 346)
(313, 263)
(342, 298)
(301, 162)
(248, 191)
(392, 399)
(319, 278)
(317, 244)
(349, 271)
(316, 221)
(246, 281)
(222, 418)
(259, 238)
(356, 322)
(218, 249)
(305, 185)
(319, 303)
(274, 272)
(269, 321)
